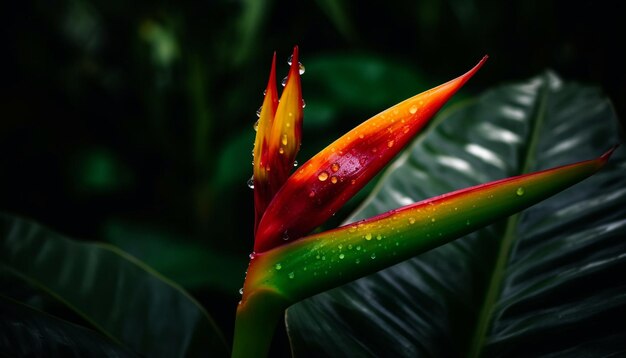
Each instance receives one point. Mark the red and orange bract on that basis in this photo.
(279, 132)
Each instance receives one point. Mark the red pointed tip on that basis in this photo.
(605, 157)
(294, 70)
(272, 81)
(475, 69)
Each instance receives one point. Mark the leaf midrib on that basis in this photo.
(483, 321)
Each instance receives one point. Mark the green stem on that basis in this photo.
(257, 316)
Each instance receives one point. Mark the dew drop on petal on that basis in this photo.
(413, 109)
(342, 256)
(333, 179)
(284, 81)
(283, 140)
(368, 236)
(411, 221)
(373, 255)
(292, 275)
(334, 167)
(278, 266)
(520, 191)
(322, 176)
(241, 291)
(295, 163)
(379, 237)
(390, 143)
(303, 104)
(357, 261)
(251, 182)
(258, 111)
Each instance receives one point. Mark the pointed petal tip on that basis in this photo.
(605, 157)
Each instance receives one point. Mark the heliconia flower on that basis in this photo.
(324, 183)
(279, 133)
(288, 266)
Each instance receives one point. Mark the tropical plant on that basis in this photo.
(530, 277)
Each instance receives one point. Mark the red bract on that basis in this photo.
(324, 183)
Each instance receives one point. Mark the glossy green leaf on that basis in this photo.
(117, 294)
(187, 262)
(548, 281)
(27, 332)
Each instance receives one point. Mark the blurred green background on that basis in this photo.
(131, 123)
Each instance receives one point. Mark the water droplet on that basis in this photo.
(281, 150)
(265, 92)
(333, 179)
(433, 220)
(255, 126)
(284, 81)
(295, 163)
(322, 176)
(340, 246)
(252, 256)
(368, 236)
(379, 237)
(390, 143)
(467, 222)
(283, 140)
(251, 182)
(358, 248)
(352, 229)
(411, 221)
(285, 236)
(301, 68)
(303, 104)
(241, 291)
(520, 191)
(342, 256)
(311, 194)
(334, 167)
(290, 60)
(413, 109)
(323, 258)
(258, 111)
(350, 247)
(291, 275)
(353, 181)
(278, 266)
(373, 255)
(357, 261)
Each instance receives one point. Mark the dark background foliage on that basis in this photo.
(131, 123)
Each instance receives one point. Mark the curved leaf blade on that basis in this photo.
(26, 332)
(561, 272)
(120, 296)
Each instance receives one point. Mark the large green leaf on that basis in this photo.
(549, 281)
(27, 332)
(121, 297)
